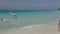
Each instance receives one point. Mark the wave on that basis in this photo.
(33, 26)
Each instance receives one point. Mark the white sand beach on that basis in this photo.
(35, 29)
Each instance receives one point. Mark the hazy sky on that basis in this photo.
(29, 4)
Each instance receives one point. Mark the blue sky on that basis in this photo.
(29, 4)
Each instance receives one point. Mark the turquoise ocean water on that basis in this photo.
(26, 18)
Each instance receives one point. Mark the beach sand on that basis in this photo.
(35, 29)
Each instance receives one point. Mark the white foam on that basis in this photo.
(32, 26)
(5, 19)
(27, 27)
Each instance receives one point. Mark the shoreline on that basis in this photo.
(35, 29)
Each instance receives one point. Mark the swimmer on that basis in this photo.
(13, 15)
(1, 18)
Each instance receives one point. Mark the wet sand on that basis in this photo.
(35, 29)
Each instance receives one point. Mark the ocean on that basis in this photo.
(27, 21)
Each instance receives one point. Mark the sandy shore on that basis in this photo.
(35, 29)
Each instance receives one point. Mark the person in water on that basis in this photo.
(13, 15)
(1, 18)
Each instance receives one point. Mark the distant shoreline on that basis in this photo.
(30, 10)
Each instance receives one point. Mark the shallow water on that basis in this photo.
(28, 20)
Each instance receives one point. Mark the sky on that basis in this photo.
(29, 4)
